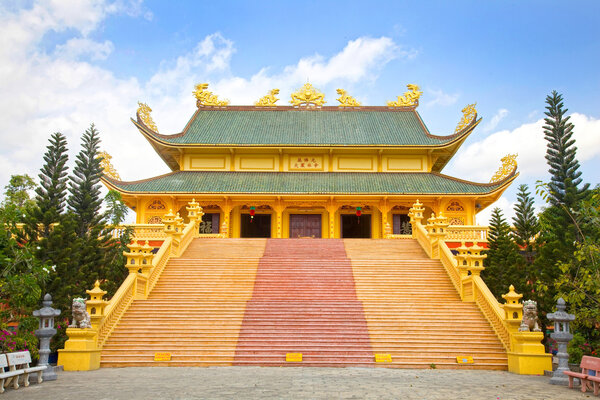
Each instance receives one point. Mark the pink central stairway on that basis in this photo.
(304, 301)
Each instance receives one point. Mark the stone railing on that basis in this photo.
(142, 231)
(82, 350)
(524, 349)
(466, 233)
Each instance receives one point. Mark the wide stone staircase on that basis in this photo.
(338, 302)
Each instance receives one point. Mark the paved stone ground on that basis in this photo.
(292, 383)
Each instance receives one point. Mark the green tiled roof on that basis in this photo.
(304, 183)
(305, 128)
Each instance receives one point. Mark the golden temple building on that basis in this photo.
(306, 169)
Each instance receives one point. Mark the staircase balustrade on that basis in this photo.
(464, 272)
(474, 233)
(82, 350)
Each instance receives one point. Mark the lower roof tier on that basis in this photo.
(320, 183)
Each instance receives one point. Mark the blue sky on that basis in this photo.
(68, 63)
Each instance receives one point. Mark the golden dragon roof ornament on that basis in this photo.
(509, 165)
(107, 167)
(410, 98)
(469, 115)
(346, 100)
(268, 100)
(143, 113)
(307, 95)
(206, 98)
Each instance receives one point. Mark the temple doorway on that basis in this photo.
(356, 227)
(305, 225)
(258, 227)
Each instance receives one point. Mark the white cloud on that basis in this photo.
(441, 98)
(507, 207)
(479, 160)
(63, 90)
(75, 48)
(499, 116)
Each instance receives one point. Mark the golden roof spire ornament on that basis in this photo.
(143, 113)
(509, 165)
(346, 100)
(410, 98)
(306, 96)
(206, 98)
(107, 167)
(268, 100)
(469, 115)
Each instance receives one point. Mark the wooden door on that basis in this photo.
(305, 225)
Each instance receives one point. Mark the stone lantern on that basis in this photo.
(562, 335)
(513, 309)
(46, 315)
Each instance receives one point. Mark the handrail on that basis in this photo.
(116, 307)
(188, 234)
(159, 262)
(422, 238)
(491, 309)
(457, 233)
(141, 231)
(450, 264)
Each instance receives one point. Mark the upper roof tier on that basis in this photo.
(289, 126)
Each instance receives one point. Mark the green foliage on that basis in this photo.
(561, 155)
(52, 191)
(17, 191)
(116, 210)
(504, 265)
(525, 222)
(84, 200)
(580, 346)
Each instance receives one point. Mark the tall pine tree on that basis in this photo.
(52, 191)
(525, 222)
(503, 265)
(84, 200)
(561, 156)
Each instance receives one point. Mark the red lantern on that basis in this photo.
(358, 211)
(252, 212)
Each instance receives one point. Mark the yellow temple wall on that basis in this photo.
(310, 160)
(151, 209)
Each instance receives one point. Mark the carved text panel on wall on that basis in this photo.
(306, 163)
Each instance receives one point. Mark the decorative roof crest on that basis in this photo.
(269, 100)
(107, 167)
(143, 113)
(306, 96)
(410, 98)
(509, 165)
(346, 100)
(469, 115)
(206, 98)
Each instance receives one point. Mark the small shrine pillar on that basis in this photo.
(46, 315)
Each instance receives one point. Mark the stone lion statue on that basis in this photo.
(530, 317)
(81, 318)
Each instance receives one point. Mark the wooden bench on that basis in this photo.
(20, 362)
(587, 377)
(8, 375)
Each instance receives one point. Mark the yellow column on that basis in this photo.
(278, 208)
(331, 210)
(384, 209)
(226, 225)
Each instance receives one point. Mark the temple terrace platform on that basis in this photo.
(292, 383)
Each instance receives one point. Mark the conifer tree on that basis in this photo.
(84, 200)
(503, 263)
(52, 191)
(525, 222)
(561, 155)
